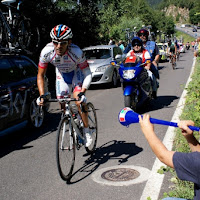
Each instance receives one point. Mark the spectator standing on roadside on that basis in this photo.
(111, 42)
(192, 44)
(197, 48)
(121, 45)
(186, 165)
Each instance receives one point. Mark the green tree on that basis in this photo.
(195, 14)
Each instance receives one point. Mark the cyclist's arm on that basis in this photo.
(87, 80)
(40, 80)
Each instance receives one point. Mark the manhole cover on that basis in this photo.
(120, 174)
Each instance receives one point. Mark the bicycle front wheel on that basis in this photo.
(92, 121)
(65, 149)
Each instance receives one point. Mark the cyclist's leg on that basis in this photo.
(77, 87)
(170, 56)
(174, 56)
(84, 115)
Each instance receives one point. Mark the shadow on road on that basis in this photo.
(18, 139)
(118, 150)
(103, 86)
(159, 103)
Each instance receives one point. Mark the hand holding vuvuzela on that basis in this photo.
(127, 116)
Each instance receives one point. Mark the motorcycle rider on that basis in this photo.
(141, 52)
(152, 49)
(72, 71)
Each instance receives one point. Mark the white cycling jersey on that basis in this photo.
(72, 69)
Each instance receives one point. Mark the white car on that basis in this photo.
(100, 61)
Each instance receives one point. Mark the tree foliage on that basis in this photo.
(94, 21)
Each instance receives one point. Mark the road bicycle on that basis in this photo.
(17, 31)
(172, 60)
(70, 135)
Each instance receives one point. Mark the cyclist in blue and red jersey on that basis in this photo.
(72, 71)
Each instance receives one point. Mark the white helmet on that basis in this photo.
(61, 32)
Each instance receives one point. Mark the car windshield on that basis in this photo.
(97, 53)
(161, 47)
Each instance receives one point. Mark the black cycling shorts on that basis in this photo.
(172, 49)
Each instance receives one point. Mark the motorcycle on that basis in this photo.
(136, 83)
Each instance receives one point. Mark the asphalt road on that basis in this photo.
(28, 166)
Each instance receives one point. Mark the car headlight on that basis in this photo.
(128, 74)
(102, 68)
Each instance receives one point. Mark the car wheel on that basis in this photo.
(36, 115)
(114, 79)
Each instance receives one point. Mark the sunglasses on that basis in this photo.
(141, 35)
(139, 45)
(55, 42)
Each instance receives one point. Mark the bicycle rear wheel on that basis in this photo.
(65, 149)
(92, 120)
(28, 36)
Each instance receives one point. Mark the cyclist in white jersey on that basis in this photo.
(72, 70)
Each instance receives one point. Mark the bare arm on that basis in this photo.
(157, 57)
(40, 80)
(162, 153)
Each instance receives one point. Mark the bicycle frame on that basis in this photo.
(74, 125)
(6, 25)
(68, 113)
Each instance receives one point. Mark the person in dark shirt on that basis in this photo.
(186, 165)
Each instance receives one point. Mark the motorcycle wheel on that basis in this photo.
(128, 102)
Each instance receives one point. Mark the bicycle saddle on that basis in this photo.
(8, 2)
